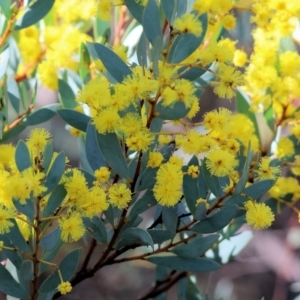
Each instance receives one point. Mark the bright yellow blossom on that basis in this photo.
(5, 215)
(265, 171)
(188, 23)
(193, 171)
(64, 287)
(155, 159)
(37, 141)
(71, 226)
(258, 215)
(102, 174)
(220, 163)
(285, 147)
(119, 195)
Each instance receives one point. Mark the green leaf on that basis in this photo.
(84, 62)
(12, 132)
(5, 7)
(181, 7)
(47, 157)
(214, 183)
(24, 94)
(112, 62)
(16, 237)
(93, 153)
(185, 44)
(50, 255)
(151, 22)
(141, 51)
(97, 229)
(258, 189)
(217, 221)
(147, 201)
(22, 156)
(67, 267)
(191, 74)
(200, 212)
(66, 95)
(196, 247)
(4, 59)
(42, 115)
(243, 106)
(33, 13)
(27, 209)
(147, 179)
(55, 200)
(244, 178)
(132, 236)
(112, 152)
(190, 187)
(170, 218)
(175, 111)
(270, 117)
(159, 235)
(168, 7)
(110, 215)
(136, 9)
(74, 118)
(13, 93)
(13, 256)
(26, 271)
(49, 241)
(9, 286)
(193, 264)
(55, 173)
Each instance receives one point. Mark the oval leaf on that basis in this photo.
(13, 93)
(112, 62)
(132, 236)
(9, 286)
(93, 153)
(74, 118)
(67, 267)
(193, 264)
(66, 94)
(217, 221)
(49, 241)
(112, 152)
(42, 115)
(22, 156)
(33, 13)
(55, 199)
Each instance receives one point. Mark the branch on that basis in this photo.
(155, 291)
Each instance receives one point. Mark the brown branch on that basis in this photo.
(88, 256)
(171, 280)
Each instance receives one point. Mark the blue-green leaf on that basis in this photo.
(55, 199)
(17, 238)
(93, 153)
(217, 221)
(168, 7)
(67, 96)
(22, 156)
(33, 13)
(47, 157)
(4, 59)
(67, 267)
(26, 271)
(196, 247)
(13, 256)
(55, 173)
(97, 229)
(49, 241)
(159, 235)
(185, 44)
(136, 9)
(146, 179)
(175, 111)
(141, 51)
(170, 218)
(147, 201)
(13, 93)
(243, 106)
(9, 286)
(42, 115)
(5, 7)
(74, 118)
(112, 62)
(112, 152)
(258, 189)
(132, 236)
(151, 22)
(27, 209)
(193, 264)
(12, 132)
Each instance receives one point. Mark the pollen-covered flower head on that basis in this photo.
(220, 162)
(64, 287)
(71, 226)
(258, 215)
(5, 215)
(37, 140)
(119, 195)
(188, 23)
(265, 171)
